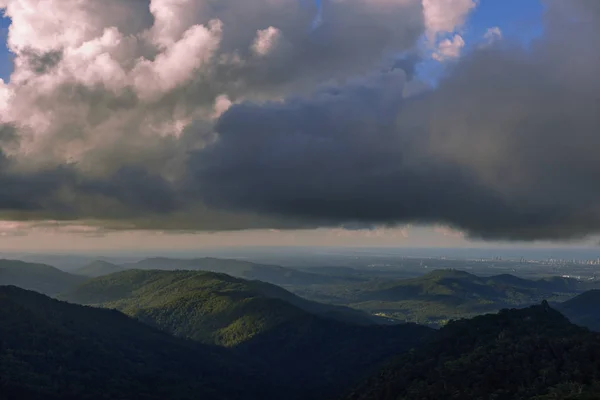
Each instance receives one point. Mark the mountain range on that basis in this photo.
(441, 295)
(181, 333)
(311, 347)
(242, 269)
(56, 350)
(205, 306)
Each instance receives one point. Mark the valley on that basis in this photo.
(318, 334)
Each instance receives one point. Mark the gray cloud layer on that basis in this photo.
(326, 127)
(505, 147)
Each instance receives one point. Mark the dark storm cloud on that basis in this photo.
(65, 193)
(354, 155)
(505, 147)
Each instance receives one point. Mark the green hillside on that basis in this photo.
(98, 268)
(53, 350)
(39, 277)
(305, 350)
(204, 306)
(532, 353)
(240, 269)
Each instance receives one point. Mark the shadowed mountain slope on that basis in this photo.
(583, 310)
(55, 350)
(532, 353)
(39, 277)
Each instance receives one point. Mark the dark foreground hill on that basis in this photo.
(532, 353)
(53, 350)
(39, 277)
(321, 358)
(303, 347)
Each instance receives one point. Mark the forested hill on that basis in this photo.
(441, 295)
(527, 354)
(303, 347)
(52, 350)
(204, 306)
(39, 277)
(274, 346)
(460, 287)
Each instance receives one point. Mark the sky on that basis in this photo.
(178, 124)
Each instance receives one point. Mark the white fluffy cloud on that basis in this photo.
(449, 48)
(492, 35)
(443, 21)
(444, 16)
(92, 75)
(266, 40)
(178, 63)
